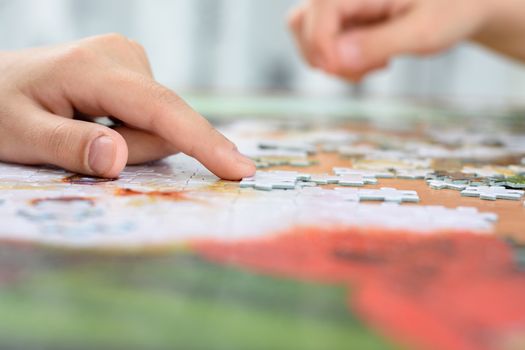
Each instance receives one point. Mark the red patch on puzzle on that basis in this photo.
(443, 291)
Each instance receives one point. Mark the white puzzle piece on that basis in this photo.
(492, 193)
(440, 185)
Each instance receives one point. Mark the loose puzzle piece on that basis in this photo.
(301, 163)
(439, 185)
(265, 158)
(324, 179)
(277, 154)
(287, 145)
(355, 180)
(492, 193)
(413, 174)
(267, 162)
(363, 173)
(270, 180)
(355, 151)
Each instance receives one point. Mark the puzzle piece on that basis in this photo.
(489, 171)
(267, 162)
(515, 182)
(492, 193)
(386, 164)
(413, 174)
(364, 172)
(440, 185)
(356, 180)
(301, 163)
(271, 180)
(324, 179)
(287, 145)
(355, 151)
(455, 177)
(266, 181)
(263, 165)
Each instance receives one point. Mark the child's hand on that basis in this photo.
(350, 38)
(42, 89)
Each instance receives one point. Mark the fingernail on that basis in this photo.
(101, 155)
(350, 55)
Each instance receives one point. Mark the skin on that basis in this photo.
(351, 38)
(43, 89)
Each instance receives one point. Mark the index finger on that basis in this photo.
(321, 25)
(142, 103)
(295, 21)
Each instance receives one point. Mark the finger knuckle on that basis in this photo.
(164, 101)
(112, 41)
(74, 54)
(162, 94)
(113, 38)
(141, 52)
(138, 46)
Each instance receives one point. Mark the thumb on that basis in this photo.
(79, 146)
(362, 49)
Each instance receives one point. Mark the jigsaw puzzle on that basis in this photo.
(352, 235)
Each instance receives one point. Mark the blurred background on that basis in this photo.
(243, 46)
